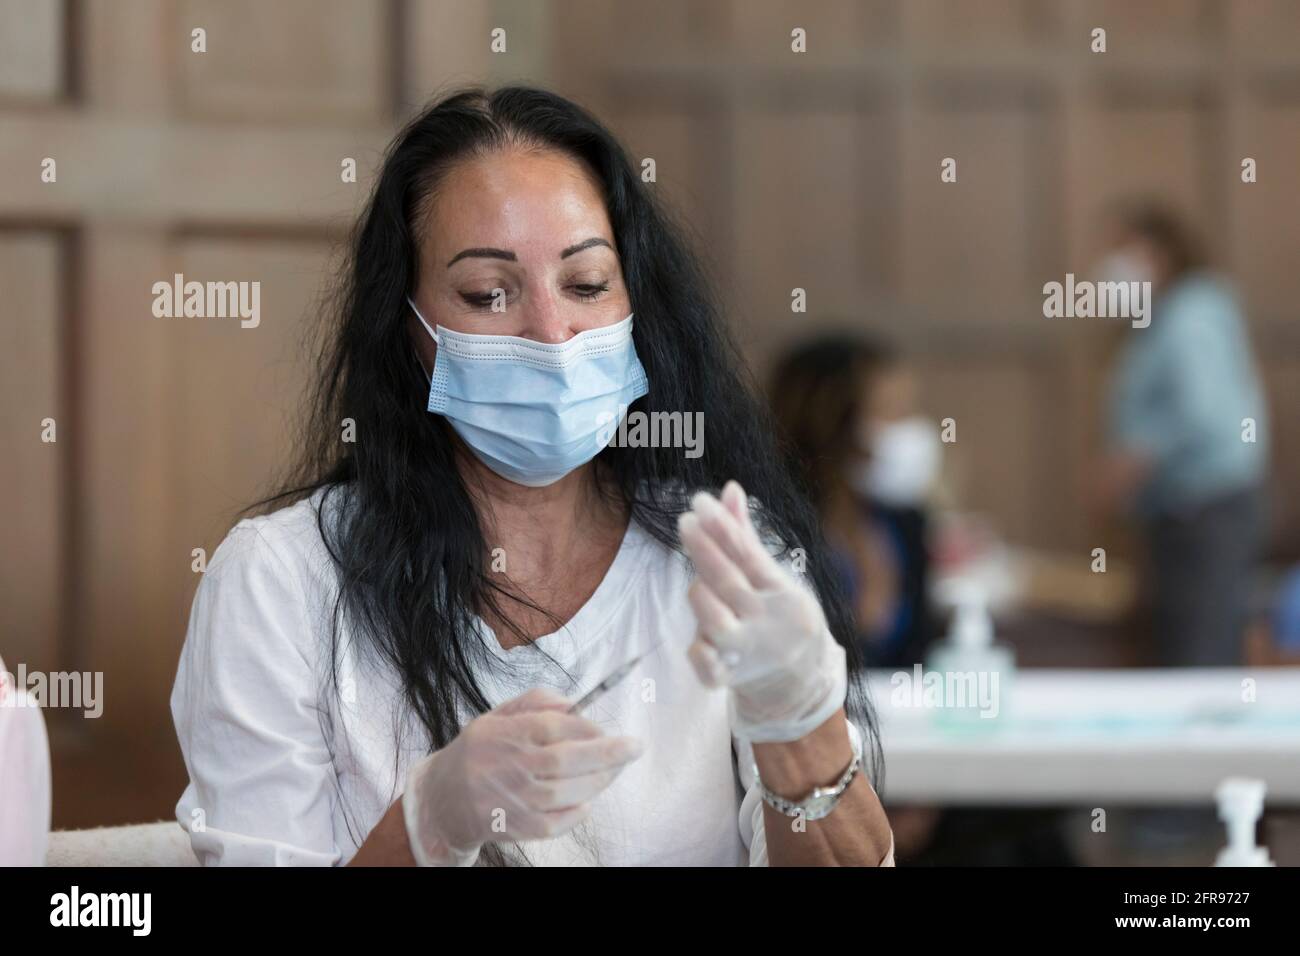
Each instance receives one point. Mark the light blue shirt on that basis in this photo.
(1184, 386)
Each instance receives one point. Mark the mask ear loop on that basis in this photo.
(428, 375)
(422, 322)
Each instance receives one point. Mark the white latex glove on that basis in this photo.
(525, 770)
(760, 631)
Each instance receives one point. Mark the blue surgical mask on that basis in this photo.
(530, 411)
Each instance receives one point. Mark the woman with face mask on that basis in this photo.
(1188, 438)
(848, 409)
(385, 669)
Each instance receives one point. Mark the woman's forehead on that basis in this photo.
(533, 199)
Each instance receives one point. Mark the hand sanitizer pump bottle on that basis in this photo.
(1241, 802)
(975, 674)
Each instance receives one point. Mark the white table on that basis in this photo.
(1083, 737)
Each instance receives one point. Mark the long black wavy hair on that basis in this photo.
(412, 561)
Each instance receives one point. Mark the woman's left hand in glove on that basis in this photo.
(760, 632)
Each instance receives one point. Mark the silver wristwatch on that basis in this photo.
(816, 804)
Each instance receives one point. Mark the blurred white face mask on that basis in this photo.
(903, 464)
(1123, 266)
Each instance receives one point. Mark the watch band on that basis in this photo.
(818, 803)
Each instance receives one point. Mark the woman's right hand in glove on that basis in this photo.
(525, 770)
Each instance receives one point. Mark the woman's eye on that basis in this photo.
(485, 300)
(481, 300)
(590, 291)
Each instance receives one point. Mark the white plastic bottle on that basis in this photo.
(976, 673)
(1241, 802)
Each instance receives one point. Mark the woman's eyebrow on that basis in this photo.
(506, 254)
(585, 244)
(482, 253)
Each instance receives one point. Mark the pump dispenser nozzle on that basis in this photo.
(1241, 802)
(972, 626)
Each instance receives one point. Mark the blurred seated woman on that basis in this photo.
(846, 406)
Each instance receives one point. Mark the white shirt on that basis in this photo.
(24, 777)
(284, 773)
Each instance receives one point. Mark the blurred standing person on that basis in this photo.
(846, 406)
(1182, 454)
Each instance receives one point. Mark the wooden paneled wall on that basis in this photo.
(820, 171)
(222, 166)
